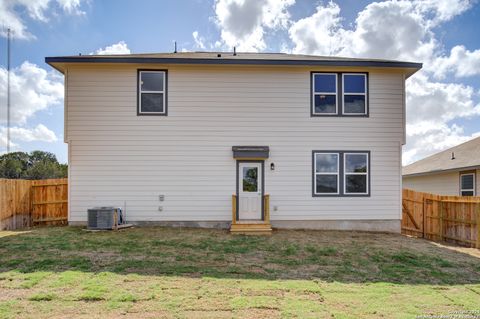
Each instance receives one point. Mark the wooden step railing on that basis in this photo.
(266, 208)
(234, 209)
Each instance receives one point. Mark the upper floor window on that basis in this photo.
(354, 94)
(152, 92)
(325, 93)
(347, 97)
(467, 184)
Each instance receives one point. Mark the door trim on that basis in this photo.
(238, 182)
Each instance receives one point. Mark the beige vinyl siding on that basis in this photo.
(117, 156)
(442, 184)
(447, 183)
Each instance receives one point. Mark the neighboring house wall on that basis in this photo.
(442, 183)
(117, 156)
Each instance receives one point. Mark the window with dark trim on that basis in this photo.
(326, 173)
(355, 177)
(354, 93)
(467, 184)
(152, 92)
(339, 94)
(341, 173)
(325, 93)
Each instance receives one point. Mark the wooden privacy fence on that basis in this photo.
(441, 218)
(25, 203)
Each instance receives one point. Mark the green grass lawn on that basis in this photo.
(65, 272)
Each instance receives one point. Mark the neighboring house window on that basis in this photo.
(334, 97)
(341, 173)
(152, 92)
(467, 184)
(354, 94)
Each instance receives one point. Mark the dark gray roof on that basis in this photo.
(467, 156)
(228, 58)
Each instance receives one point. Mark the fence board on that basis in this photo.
(438, 218)
(14, 204)
(24, 203)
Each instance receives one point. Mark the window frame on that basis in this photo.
(364, 94)
(342, 175)
(473, 173)
(313, 93)
(165, 92)
(339, 95)
(367, 173)
(315, 173)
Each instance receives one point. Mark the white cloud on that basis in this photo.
(36, 10)
(401, 30)
(116, 48)
(461, 62)
(390, 29)
(428, 137)
(199, 41)
(71, 6)
(442, 102)
(430, 108)
(318, 33)
(40, 133)
(32, 89)
(243, 22)
(442, 10)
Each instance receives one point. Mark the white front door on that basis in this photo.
(250, 191)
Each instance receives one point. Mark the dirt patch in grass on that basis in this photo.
(328, 255)
(187, 273)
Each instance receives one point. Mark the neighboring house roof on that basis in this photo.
(466, 156)
(228, 58)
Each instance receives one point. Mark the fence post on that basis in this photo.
(14, 204)
(30, 221)
(424, 216)
(441, 221)
(478, 225)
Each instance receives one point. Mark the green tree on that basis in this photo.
(14, 165)
(36, 165)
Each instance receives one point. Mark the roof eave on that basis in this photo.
(58, 62)
(60, 67)
(439, 171)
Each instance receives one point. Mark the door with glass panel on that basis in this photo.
(250, 191)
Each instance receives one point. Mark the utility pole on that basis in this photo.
(8, 90)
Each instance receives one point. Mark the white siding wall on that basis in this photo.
(442, 184)
(117, 156)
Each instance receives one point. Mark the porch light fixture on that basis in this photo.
(272, 166)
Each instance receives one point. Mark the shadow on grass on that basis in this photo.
(349, 257)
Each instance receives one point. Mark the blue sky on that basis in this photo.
(443, 99)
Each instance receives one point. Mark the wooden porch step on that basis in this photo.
(250, 222)
(251, 228)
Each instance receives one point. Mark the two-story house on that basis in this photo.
(201, 139)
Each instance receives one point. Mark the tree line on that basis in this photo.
(33, 165)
